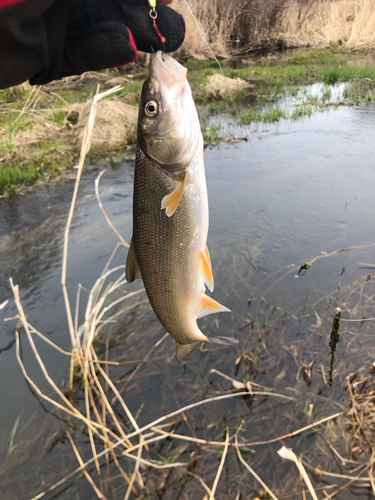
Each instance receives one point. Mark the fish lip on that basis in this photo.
(163, 59)
(159, 55)
(173, 71)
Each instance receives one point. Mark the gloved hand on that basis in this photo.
(86, 35)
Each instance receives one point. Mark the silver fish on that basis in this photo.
(170, 208)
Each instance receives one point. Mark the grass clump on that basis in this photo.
(268, 84)
(359, 91)
(271, 115)
(41, 129)
(317, 57)
(16, 176)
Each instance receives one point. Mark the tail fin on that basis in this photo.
(183, 350)
(223, 340)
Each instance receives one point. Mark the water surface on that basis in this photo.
(312, 194)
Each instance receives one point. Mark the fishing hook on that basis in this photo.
(154, 15)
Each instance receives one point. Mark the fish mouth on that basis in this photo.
(168, 71)
(172, 74)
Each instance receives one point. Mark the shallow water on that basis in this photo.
(313, 193)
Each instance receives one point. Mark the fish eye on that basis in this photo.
(151, 108)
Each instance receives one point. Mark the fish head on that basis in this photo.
(168, 124)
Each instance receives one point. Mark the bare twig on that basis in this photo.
(251, 470)
(97, 180)
(295, 433)
(288, 454)
(84, 150)
(222, 461)
(135, 472)
(99, 494)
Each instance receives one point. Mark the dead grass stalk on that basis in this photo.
(240, 27)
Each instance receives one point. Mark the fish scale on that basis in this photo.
(168, 248)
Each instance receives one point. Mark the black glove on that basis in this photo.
(44, 40)
(98, 34)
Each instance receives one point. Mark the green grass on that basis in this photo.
(13, 94)
(131, 91)
(359, 91)
(270, 83)
(18, 174)
(72, 95)
(327, 94)
(272, 78)
(301, 111)
(321, 57)
(271, 115)
(213, 133)
(24, 165)
(58, 117)
(14, 174)
(192, 64)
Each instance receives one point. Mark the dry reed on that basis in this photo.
(234, 28)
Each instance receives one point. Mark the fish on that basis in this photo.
(168, 249)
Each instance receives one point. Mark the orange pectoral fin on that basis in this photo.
(207, 270)
(170, 201)
(210, 306)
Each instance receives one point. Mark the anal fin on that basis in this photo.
(170, 201)
(207, 270)
(210, 306)
(132, 271)
(183, 350)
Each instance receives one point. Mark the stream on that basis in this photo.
(311, 193)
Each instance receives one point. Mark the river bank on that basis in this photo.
(41, 127)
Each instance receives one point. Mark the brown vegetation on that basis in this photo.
(360, 418)
(64, 125)
(221, 86)
(243, 26)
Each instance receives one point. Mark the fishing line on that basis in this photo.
(305, 266)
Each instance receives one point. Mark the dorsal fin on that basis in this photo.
(207, 270)
(132, 271)
(170, 201)
(210, 306)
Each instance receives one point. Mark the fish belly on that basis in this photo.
(169, 249)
